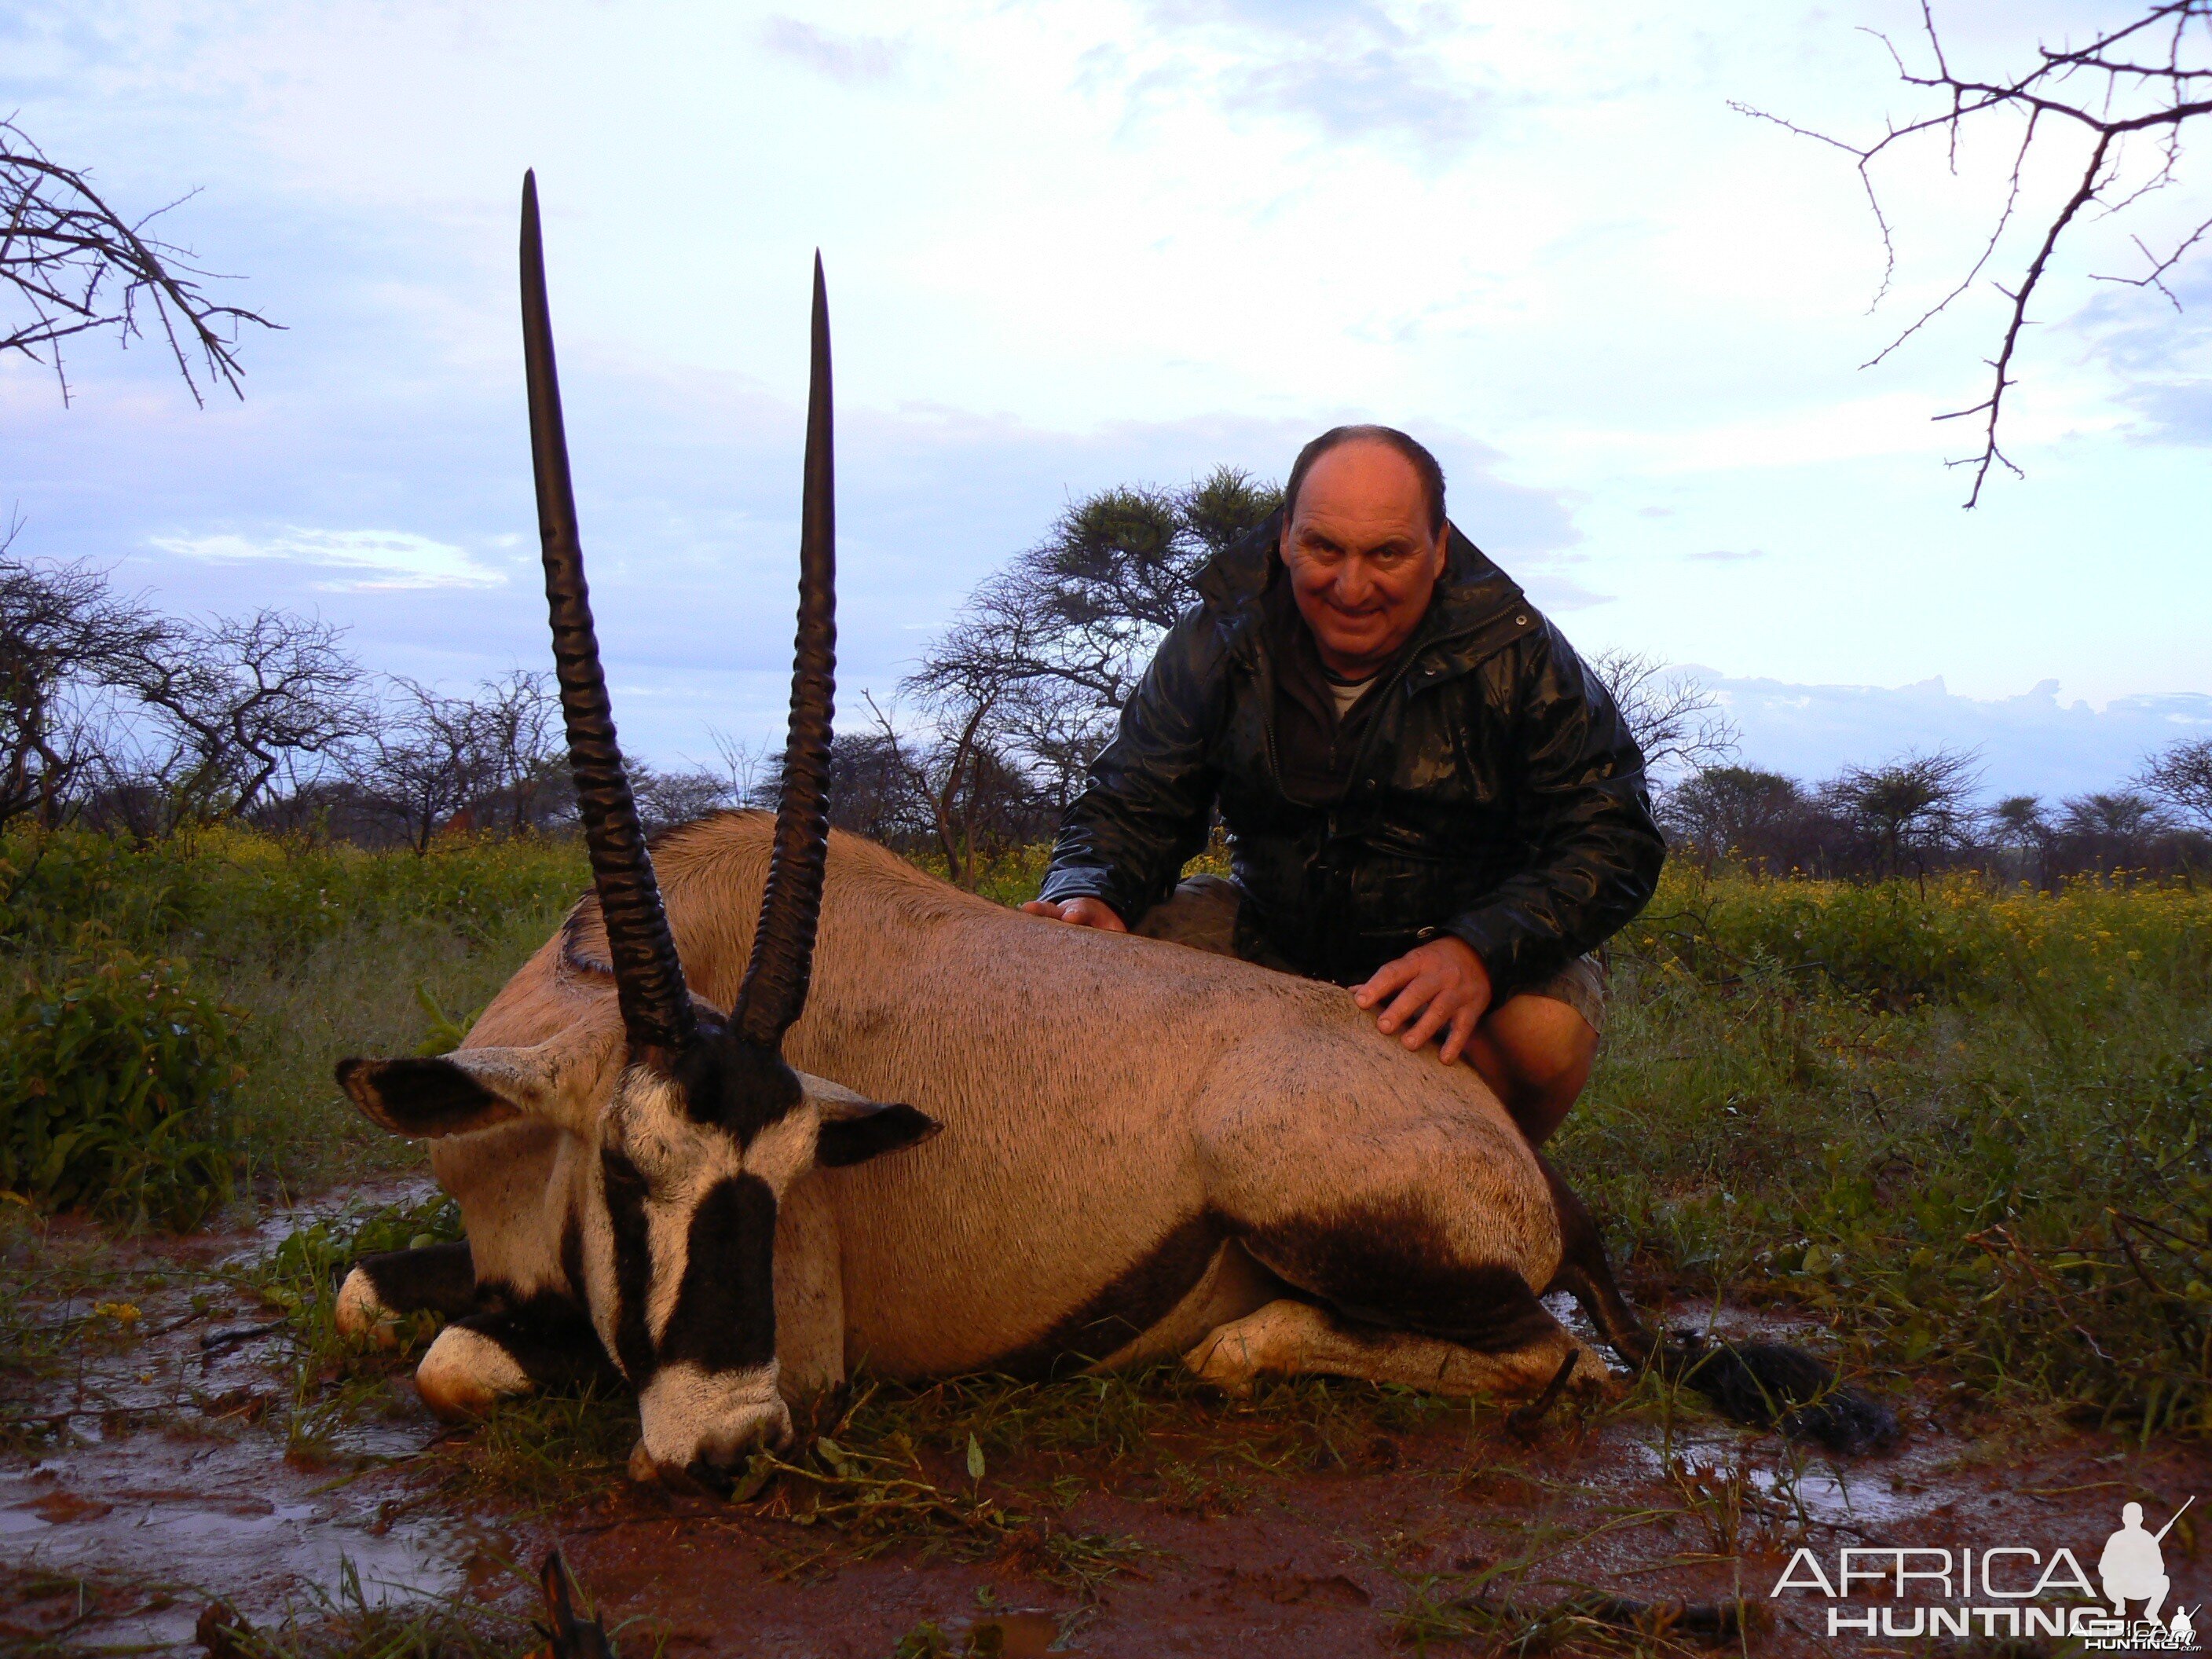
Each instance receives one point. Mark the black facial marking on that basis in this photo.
(725, 1315)
(421, 1099)
(439, 1279)
(632, 1249)
(1139, 1297)
(849, 1141)
(737, 1086)
(1392, 1266)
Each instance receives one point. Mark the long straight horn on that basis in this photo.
(656, 1008)
(774, 990)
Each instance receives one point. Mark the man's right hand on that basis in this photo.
(1082, 912)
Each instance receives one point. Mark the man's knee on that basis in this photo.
(1536, 1053)
(1545, 1046)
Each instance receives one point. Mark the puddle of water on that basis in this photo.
(155, 1489)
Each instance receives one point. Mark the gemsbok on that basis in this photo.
(1145, 1150)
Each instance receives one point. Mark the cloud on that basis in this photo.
(1384, 91)
(1564, 593)
(2180, 411)
(1724, 556)
(387, 560)
(852, 59)
(2032, 743)
(1344, 66)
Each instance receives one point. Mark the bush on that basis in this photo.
(114, 1074)
(1898, 944)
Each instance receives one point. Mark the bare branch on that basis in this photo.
(81, 266)
(2128, 96)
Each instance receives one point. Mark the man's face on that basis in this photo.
(1361, 559)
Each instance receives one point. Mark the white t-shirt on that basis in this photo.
(1346, 695)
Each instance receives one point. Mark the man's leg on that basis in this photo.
(1536, 1054)
(1536, 1049)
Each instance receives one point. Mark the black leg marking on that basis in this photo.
(1766, 1384)
(1586, 1274)
(1139, 1297)
(1772, 1385)
(439, 1279)
(1391, 1266)
(551, 1338)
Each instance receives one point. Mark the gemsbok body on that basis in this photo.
(1107, 1149)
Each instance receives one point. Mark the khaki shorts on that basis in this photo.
(1204, 912)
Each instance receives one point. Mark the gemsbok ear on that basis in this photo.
(855, 1129)
(561, 1082)
(425, 1099)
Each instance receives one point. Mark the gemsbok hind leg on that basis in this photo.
(1295, 1338)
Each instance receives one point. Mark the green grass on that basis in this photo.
(1966, 1129)
(1972, 1132)
(317, 952)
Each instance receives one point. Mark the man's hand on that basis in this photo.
(1442, 983)
(1085, 912)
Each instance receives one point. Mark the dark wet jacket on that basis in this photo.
(1496, 793)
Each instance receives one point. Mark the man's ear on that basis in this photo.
(563, 1082)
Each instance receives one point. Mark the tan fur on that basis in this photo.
(1096, 1090)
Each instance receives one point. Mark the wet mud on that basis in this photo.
(164, 1469)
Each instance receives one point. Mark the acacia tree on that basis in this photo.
(78, 266)
(1118, 568)
(239, 704)
(2084, 108)
(63, 635)
(1675, 717)
(1909, 810)
(425, 760)
(2181, 776)
(1743, 813)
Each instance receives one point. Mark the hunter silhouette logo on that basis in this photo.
(2006, 1590)
(2133, 1565)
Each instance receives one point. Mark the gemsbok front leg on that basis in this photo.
(382, 1290)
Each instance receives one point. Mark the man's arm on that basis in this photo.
(1584, 811)
(1144, 810)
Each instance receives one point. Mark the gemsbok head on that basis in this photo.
(691, 1125)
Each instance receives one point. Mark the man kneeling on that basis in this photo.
(1429, 798)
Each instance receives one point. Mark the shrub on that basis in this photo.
(113, 1073)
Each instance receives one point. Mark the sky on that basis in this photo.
(1071, 246)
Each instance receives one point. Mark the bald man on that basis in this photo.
(1430, 800)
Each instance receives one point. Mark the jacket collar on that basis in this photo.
(1476, 609)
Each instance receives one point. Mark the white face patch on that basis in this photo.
(689, 1414)
(682, 1160)
(679, 1162)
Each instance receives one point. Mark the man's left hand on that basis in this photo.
(1440, 986)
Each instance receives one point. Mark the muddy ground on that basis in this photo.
(164, 1467)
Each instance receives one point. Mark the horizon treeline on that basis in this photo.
(118, 717)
